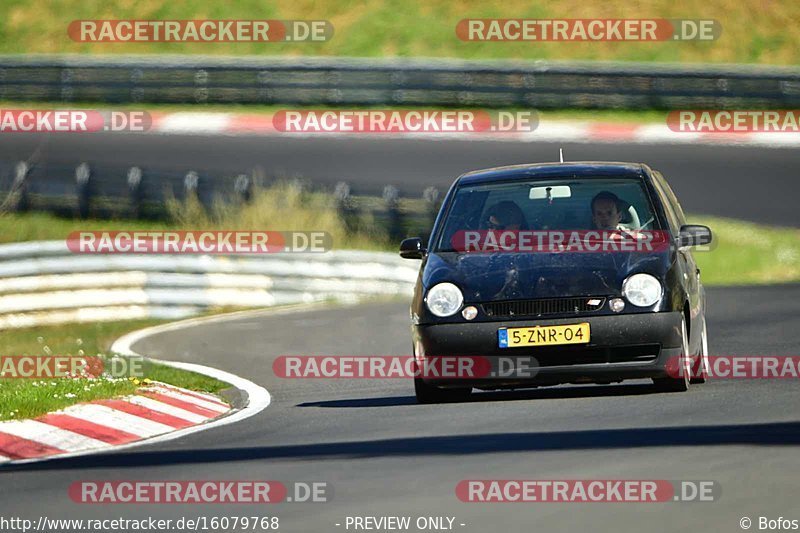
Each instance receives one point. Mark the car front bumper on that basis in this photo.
(622, 347)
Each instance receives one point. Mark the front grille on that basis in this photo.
(540, 307)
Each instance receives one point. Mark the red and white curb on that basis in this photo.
(172, 413)
(103, 424)
(214, 124)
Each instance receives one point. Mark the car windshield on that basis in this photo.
(562, 204)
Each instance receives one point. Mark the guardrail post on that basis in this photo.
(243, 187)
(83, 181)
(298, 189)
(298, 185)
(201, 81)
(191, 182)
(67, 92)
(432, 204)
(135, 192)
(391, 198)
(19, 190)
(346, 206)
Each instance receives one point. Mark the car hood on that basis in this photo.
(485, 277)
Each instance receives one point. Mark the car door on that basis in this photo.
(687, 264)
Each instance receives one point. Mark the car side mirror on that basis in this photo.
(694, 235)
(412, 249)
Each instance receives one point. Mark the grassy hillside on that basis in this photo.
(753, 31)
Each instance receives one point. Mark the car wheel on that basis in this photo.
(702, 365)
(681, 382)
(431, 394)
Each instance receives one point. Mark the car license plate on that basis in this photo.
(543, 335)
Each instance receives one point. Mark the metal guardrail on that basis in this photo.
(44, 283)
(108, 190)
(114, 191)
(373, 81)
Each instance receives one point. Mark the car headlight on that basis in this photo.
(444, 299)
(642, 290)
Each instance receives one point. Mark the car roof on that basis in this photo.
(573, 169)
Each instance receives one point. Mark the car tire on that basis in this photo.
(680, 383)
(426, 393)
(702, 365)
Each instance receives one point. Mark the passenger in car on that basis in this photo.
(505, 215)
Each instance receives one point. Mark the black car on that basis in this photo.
(629, 307)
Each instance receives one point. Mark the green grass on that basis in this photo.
(28, 398)
(69, 339)
(748, 253)
(753, 31)
(45, 226)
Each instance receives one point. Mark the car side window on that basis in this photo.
(673, 200)
(673, 218)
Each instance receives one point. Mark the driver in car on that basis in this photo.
(605, 211)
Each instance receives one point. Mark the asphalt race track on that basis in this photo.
(385, 455)
(751, 183)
